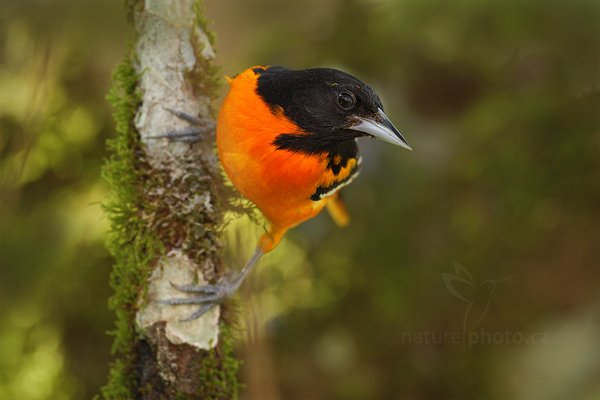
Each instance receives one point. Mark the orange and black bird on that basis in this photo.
(287, 141)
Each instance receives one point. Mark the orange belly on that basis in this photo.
(279, 182)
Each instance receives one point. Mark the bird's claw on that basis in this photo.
(189, 134)
(210, 289)
(208, 297)
(193, 120)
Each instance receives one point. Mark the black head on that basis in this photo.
(331, 105)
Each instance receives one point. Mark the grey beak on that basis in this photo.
(382, 128)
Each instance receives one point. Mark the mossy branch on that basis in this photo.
(164, 212)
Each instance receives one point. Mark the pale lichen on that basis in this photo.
(166, 56)
(175, 267)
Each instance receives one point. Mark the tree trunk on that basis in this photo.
(164, 212)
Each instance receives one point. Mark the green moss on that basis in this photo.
(206, 77)
(219, 369)
(203, 22)
(129, 240)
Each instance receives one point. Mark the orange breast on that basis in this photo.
(279, 182)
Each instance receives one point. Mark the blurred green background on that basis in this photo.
(500, 101)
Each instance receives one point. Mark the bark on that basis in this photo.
(166, 215)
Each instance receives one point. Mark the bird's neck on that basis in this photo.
(341, 143)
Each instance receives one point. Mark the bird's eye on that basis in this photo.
(346, 100)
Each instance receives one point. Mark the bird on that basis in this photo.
(287, 140)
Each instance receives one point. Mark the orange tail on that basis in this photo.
(337, 210)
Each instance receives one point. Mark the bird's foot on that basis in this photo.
(207, 296)
(190, 134)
